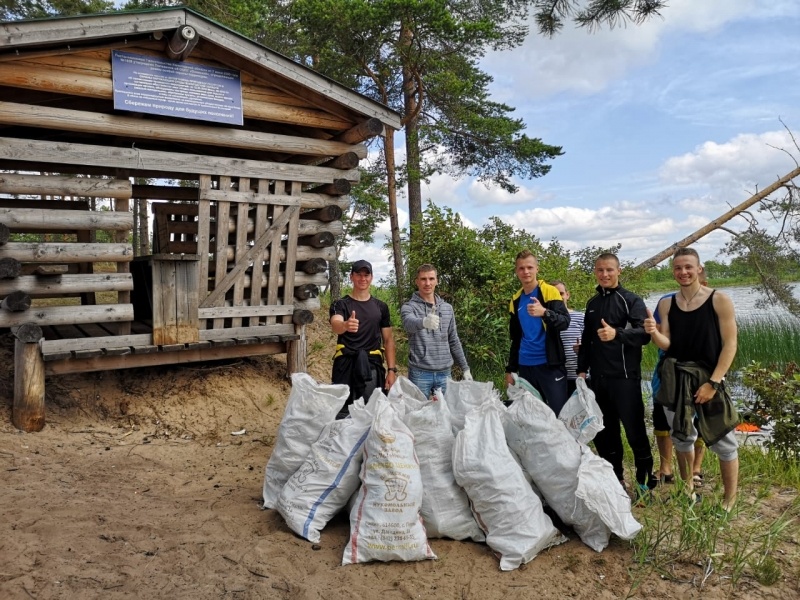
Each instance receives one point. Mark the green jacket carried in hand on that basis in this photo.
(679, 382)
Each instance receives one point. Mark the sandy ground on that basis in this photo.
(137, 489)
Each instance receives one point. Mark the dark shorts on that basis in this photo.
(660, 423)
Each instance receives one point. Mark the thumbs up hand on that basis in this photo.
(535, 308)
(351, 325)
(650, 325)
(606, 333)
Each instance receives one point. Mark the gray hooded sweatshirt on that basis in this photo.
(432, 350)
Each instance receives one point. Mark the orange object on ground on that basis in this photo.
(747, 427)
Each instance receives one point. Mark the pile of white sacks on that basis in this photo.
(463, 467)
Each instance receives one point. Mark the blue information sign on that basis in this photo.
(178, 89)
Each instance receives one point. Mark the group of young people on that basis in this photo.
(552, 346)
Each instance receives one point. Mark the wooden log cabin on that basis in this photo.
(243, 158)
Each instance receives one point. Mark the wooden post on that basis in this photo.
(28, 411)
(296, 352)
(5, 233)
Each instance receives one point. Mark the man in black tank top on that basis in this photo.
(699, 326)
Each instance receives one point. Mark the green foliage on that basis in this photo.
(778, 404)
(476, 276)
(368, 207)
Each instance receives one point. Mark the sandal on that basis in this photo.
(697, 480)
(664, 478)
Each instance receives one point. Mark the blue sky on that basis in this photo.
(664, 127)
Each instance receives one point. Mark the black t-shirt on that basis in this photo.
(372, 315)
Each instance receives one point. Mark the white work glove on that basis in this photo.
(431, 322)
(467, 375)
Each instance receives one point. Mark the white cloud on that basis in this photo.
(576, 60)
(746, 162)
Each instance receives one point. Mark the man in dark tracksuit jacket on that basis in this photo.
(538, 316)
(611, 353)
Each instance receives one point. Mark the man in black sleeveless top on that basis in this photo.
(698, 326)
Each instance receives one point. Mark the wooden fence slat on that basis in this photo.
(226, 312)
(218, 334)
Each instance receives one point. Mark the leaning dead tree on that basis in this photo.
(718, 222)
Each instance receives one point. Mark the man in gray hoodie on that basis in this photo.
(433, 343)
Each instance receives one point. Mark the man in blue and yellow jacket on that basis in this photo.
(538, 315)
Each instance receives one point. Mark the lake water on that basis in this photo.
(745, 300)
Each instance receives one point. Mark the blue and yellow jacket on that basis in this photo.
(555, 321)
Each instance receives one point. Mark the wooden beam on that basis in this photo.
(16, 301)
(95, 343)
(67, 252)
(305, 227)
(152, 359)
(9, 267)
(28, 333)
(67, 315)
(338, 187)
(238, 312)
(32, 219)
(235, 332)
(89, 85)
(363, 131)
(171, 162)
(182, 42)
(59, 119)
(87, 27)
(303, 252)
(58, 185)
(43, 204)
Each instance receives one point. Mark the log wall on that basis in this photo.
(57, 270)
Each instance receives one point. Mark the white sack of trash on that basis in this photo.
(310, 407)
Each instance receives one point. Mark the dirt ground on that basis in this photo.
(137, 489)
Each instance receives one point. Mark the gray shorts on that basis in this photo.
(726, 448)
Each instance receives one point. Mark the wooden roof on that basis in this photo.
(55, 85)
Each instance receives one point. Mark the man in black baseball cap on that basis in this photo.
(364, 339)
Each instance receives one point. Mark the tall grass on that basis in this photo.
(701, 544)
(772, 340)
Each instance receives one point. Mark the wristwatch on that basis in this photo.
(392, 369)
(546, 314)
(717, 385)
